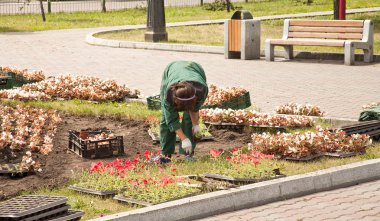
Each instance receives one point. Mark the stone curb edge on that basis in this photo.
(257, 194)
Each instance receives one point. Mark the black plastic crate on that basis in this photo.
(154, 102)
(6, 81)
(32, 207)
(95, 149)
(19, 80)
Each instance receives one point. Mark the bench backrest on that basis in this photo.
(357, 30)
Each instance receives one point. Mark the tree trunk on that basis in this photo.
(42, 11)
(49, 6)
(103, 3)
(228, 5)
(336, 9)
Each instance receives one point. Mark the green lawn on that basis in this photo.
(213, 34)
(138, 16)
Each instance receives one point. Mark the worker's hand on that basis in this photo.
(187, 146)
(196, 129)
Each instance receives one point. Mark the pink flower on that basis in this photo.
(215, 153)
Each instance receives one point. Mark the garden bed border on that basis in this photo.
(257, 194)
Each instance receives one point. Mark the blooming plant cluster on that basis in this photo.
(30, 76)
(371, 105)
(219, 95)
(238, 163)
(70, 87)
(300, 109)
(27, 129)
(298, 145)
(21, 95)
(253, 118)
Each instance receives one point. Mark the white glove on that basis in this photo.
(196, 129)
(186, 145)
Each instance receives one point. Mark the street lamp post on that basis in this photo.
(155, 25)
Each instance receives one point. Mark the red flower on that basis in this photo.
(136, 159)
(145, 181)
(147, 155)
(235, 150)
(129, 165)
(174, 169)
(228, 158)
(142, 166)
(97, 167)
(215, 153)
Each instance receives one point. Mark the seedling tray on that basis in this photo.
(27, 207)
(304, 159)
(95, 149)
(156, 138)
(240, 180)
(142, 203)
(95, 192)
(131, 201)
(13, 170)
(70, 215)
(228, 126)
(343, 154)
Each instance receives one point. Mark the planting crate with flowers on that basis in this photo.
(96, 143)
(21, 77)
(300, 109)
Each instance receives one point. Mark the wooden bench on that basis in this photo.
(350, 34)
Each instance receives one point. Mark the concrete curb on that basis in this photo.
(255, 194)
(91, 39)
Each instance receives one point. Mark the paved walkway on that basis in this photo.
(361, 202)
(340, 90)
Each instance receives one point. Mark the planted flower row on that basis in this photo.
(70, 87)
(300, 109)
(249, 117)
(299, 145)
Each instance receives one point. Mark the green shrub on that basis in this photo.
(220, 5)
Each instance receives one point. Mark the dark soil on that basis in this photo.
(58, 166)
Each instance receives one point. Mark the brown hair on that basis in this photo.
(183, 96)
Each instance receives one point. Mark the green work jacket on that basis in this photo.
(179, 71)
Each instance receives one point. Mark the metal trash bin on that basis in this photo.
(242, 36)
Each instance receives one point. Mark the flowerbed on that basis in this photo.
(300, 109)
(249, 117)
(25, 130)
(150, 182)
(299, 145)
(70, 87)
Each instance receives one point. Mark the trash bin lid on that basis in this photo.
(242, 15)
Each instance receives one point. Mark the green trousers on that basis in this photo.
(168, 138)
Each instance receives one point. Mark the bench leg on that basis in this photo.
(269, 51)
(368, 54)
(289, 52)
(349, 53)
